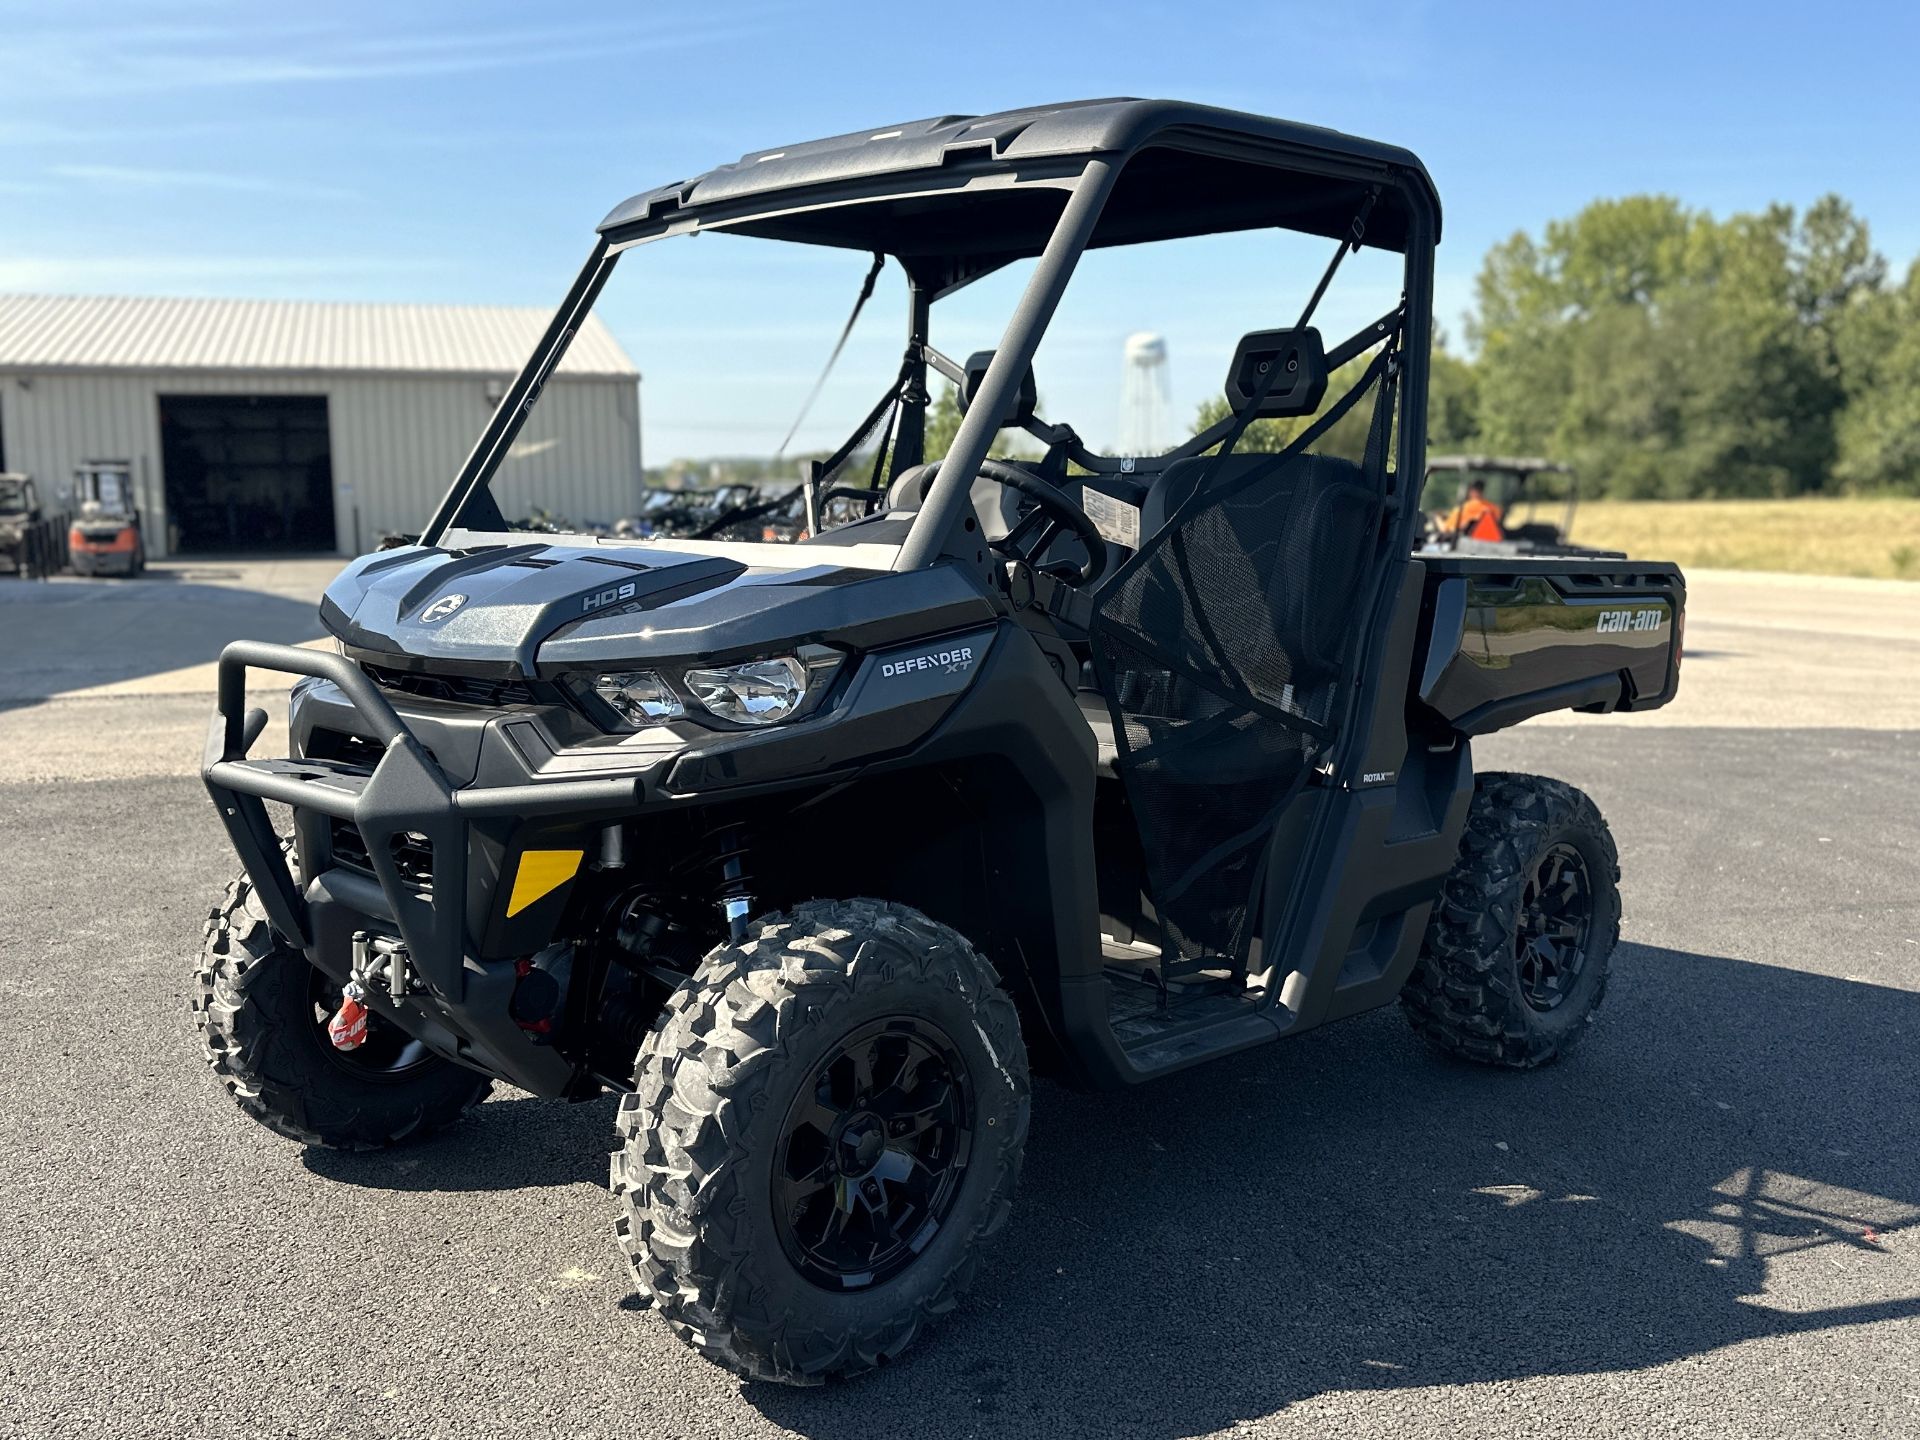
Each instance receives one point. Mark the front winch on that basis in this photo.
(383, 958)
(377, 959)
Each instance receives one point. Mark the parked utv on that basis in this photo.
(1533, 503)
(19, 513)
(1107, 765)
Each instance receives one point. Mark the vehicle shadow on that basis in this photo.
(1355, 1212)
(59, 638)
(512, 1142)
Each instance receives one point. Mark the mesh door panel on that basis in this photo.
(1220, 648)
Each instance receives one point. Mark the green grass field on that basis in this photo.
(1878, 538)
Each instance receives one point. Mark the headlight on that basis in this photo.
(760, 692)
(639, 697)
(754, 692)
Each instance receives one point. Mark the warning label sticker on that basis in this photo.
(1115, 519)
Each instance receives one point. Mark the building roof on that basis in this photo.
(75, 332)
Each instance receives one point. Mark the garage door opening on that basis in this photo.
(247, 472)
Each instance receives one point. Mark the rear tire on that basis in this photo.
(1517, 950)
(259, 1003)
(793, 1211)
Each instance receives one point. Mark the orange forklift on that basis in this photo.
(105, 536)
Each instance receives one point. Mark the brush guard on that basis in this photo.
(405, 793)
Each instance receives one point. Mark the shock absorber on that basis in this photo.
(735, 895)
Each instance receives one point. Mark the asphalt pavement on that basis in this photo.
(1706, 1222)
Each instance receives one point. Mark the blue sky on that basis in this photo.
(462, 153)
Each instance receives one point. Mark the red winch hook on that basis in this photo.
(348, 1027)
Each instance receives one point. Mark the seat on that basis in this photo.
(996, 506)
(1303, 530)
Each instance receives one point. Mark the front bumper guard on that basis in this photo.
(406, 792)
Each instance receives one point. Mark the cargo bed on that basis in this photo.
(1507, 637)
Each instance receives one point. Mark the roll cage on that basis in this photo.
(955, 198)
(1510, 485)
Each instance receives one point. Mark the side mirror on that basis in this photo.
(1299, 387)
(1026, 397)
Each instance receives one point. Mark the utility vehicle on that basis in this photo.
(1528, 491)
(19, 513)
(1110, 765)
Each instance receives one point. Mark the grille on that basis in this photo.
(347, 749)
(459, 689)
(349, 849)
(412, 854)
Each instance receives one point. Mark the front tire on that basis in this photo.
(829, 1119)
(261, 1010)
(1517, 950)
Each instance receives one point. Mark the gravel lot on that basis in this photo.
(1707, 1222)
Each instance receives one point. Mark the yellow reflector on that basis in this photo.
(541, 873)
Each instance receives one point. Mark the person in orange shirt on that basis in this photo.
(1476, 517)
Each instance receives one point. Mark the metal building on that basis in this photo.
(253, 426)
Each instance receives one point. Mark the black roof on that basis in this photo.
(961, 185)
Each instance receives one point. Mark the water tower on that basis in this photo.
(1146, 400)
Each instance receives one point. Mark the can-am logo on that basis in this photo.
(952, 662)
(1613, 621)
(442, 608)
(613, 595)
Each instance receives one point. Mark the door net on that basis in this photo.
(1222, 648)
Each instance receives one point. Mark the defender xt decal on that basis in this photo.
(956, 661)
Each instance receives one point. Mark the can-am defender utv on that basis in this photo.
(1119, 763)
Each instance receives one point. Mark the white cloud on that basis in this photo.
(108, 59)
(141, 177)
(196, 274)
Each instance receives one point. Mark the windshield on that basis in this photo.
(1509, 489)
(1503, 487)
(730, 335)
(771, 365)
(13, 498)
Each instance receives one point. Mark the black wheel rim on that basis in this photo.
(1556, 918)
(389, 1053)
(871, 1154)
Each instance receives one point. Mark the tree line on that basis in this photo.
(1670, 355)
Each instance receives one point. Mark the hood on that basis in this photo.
(495, 606)
(542, 608)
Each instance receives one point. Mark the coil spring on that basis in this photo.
(729, 857)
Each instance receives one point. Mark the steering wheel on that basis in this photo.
(1059, 511)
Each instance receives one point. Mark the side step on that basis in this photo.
(1165, 1026)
